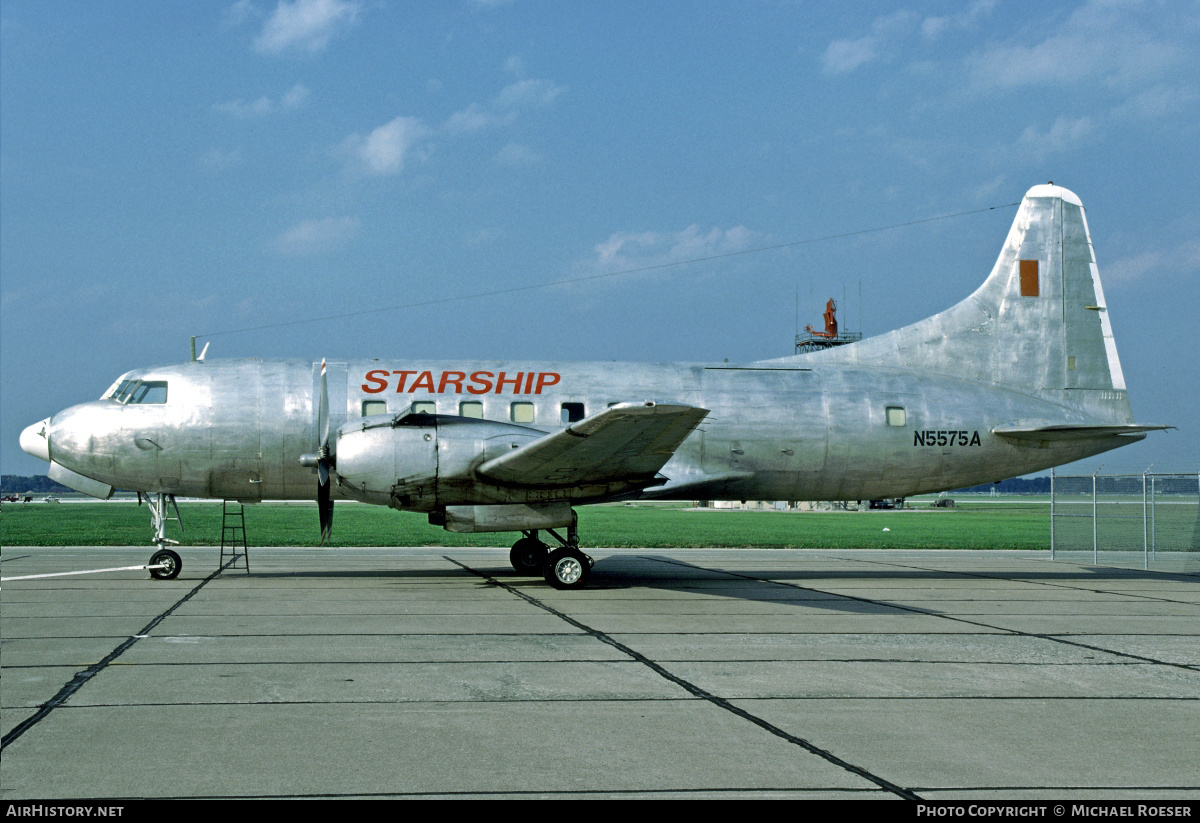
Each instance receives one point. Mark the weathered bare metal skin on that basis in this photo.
(809, 427)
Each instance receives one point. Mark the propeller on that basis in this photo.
(325, 461)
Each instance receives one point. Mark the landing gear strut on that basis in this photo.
(168, 562)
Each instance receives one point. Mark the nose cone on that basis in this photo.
(35, 440)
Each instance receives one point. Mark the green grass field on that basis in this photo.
(968, 526)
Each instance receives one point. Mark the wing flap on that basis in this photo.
(629, 441)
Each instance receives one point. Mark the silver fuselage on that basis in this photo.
(1021, 375)
(236, 429)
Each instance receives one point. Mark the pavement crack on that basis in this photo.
(77, 682)
(1055, 638)
(695, 690)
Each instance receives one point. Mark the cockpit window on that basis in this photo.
(140, 391)
(152, 391)
(125, 390)
(118, 388)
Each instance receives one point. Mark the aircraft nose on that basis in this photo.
(35, 440)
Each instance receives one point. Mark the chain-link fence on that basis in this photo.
(1151, 521)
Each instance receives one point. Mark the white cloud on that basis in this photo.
(384, 150)
(1101, 40)
(1181, 259)
(1064, 134)
(515, 155)
(527, 94)
(293, 98)
(848, 54)
(515, 65)
(987, 190)
(934, 27)
(220, 160)
(1156, 101)
(505, 106)
(471, 119)
(484, 237)
(317, 236)
(306, 25)
(640, 249)
(239, 13)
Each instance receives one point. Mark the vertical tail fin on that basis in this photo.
(1038, 324)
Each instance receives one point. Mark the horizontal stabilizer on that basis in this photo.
(1071, 431)
(695, 486)
(629, 441)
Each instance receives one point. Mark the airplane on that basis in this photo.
(1020, 376)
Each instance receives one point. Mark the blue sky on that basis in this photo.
(170, 169)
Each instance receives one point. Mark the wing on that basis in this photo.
(627, 442)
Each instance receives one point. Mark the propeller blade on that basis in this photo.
(324, 460)
(325, 509)
(323, 410)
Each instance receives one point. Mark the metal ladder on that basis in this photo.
(233, 532)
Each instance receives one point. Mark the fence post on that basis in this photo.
(1095, 538)
(1153, 492)
(1145, 528)
(1051, 512)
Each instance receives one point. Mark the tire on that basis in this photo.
(528, 555)
(171, 562)
(567, 569)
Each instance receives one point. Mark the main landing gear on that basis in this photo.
(563, 568)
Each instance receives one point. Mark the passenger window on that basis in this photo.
(896, 416)
(424, 407)
(370, 407)
(152, 391)
(572, 412)
(521, 412)
(471, 408)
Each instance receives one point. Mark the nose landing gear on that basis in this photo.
(165, 564)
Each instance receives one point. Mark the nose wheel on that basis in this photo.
(165, 565)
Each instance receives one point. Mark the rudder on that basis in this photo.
(1038, 324)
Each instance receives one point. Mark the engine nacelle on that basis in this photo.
(513, 517)
(416, 461)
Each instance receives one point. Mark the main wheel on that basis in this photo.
(170, 563)
(567, 569)
(527, 555)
